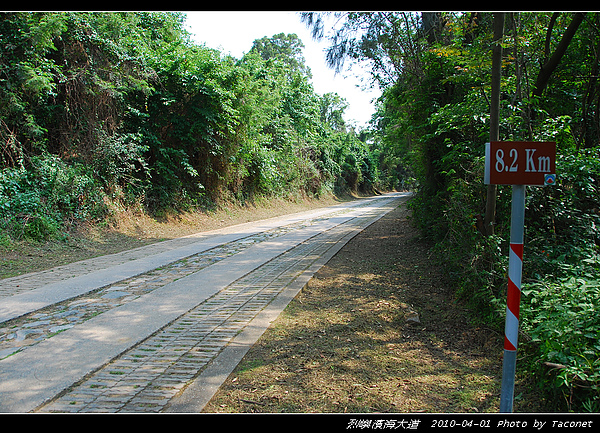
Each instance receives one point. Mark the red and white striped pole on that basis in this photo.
(513, 300)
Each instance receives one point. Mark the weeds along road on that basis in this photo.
(159, 328)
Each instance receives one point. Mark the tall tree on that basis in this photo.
(490, 206)
(285, 48)
(332, 108)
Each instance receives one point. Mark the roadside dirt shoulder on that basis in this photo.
(127, 230)
(376, 330)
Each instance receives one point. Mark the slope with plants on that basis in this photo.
(101, 112)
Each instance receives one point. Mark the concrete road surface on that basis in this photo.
(159, 328)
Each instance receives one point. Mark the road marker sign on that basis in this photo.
(519, 162)
(516, 163)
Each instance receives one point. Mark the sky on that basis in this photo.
(233, 33)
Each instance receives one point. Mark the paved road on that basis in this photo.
(159, 328)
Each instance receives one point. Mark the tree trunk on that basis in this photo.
(490, 206)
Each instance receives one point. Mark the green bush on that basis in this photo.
(563, 319)
(49, 196)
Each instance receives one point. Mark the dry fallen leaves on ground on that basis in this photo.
(375, 330)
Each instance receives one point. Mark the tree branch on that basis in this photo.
(549, 67)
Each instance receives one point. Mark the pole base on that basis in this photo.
(508, 381)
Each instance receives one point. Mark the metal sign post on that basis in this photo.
(513, 298)
(517, 164)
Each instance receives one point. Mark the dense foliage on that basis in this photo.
(435, 120)
(108, 110)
